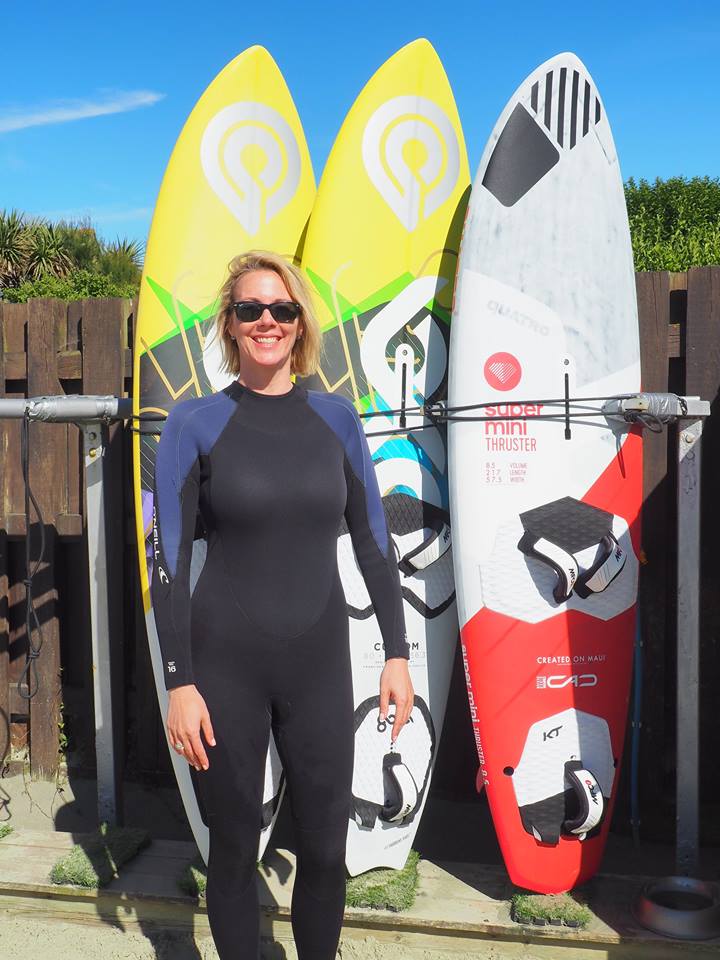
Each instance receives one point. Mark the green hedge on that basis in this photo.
(675, 223)
(78, 285)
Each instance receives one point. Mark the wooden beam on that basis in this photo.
(4, 583)
(46, 322)
(653, 294)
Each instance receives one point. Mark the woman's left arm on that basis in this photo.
(375, 552)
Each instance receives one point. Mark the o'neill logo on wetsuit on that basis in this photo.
(156, 550)
(503, 371)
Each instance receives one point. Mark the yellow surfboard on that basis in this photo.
(381, 252)
(239, 177)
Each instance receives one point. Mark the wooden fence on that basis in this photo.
(48, 347)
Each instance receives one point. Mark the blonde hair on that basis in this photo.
(305, 357)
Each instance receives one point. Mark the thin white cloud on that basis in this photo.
(68, 110)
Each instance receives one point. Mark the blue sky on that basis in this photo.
(95, 94)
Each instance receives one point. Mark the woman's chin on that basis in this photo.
(268, 360)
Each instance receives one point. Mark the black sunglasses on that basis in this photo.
(282, 311)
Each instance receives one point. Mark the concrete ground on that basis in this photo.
(450, 830)
(461, 912)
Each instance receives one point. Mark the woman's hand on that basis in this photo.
(396, 686)
(187, 716)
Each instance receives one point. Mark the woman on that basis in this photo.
(271, 468)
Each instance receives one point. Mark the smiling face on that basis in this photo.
(265, 346)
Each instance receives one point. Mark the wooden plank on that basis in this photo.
(702, 377)
(14, 326)
(47, 319)
(68, 525)
(70, 365)
(4, 650)
(15, 365)
(14, 330)
(653, 293)
(25, 837)
(19, 710)
(76, 486)
(4, 625)
(14, 321)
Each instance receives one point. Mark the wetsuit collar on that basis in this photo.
(236, 391)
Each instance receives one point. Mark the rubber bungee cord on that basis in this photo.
(150, 418)
(30, 674)
(437, 414)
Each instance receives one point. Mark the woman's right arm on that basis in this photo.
(177, 481)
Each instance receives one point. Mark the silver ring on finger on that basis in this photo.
(179, 747)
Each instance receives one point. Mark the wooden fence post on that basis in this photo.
(653, 294)
(4, 584)
(46, 319)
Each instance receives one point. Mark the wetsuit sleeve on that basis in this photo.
(177, 473)
(374, 549)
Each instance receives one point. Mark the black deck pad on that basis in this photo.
(569, 523)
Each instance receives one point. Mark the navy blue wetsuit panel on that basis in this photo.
(265, 635)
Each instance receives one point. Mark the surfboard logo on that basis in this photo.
(251, 159)
(558, 682)
(412, 156)
(503, 371)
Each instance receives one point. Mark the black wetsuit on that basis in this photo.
(265, 636)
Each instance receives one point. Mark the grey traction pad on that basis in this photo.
(569, 523)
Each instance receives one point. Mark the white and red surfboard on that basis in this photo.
(545, 512)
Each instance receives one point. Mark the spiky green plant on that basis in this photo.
(66, 260)
(46, 254)
(81, 242)
(13, 247)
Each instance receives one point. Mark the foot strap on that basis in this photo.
(429, 550)
(401, 792)
(590, 799)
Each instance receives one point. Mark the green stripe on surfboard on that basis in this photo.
(380, 297)
(181, 315)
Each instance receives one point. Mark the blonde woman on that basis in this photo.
(263, 644)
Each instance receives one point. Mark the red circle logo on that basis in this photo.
(503, 371)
